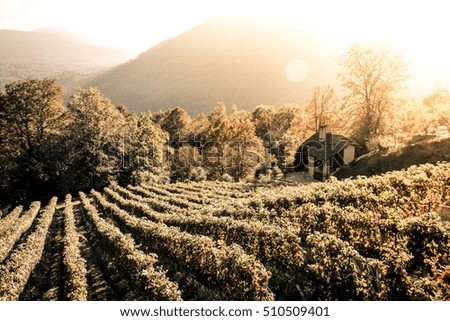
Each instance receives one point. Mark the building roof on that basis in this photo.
(329, 147)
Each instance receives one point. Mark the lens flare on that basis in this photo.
(297, 70)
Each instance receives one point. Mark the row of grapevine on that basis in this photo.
(415, 191)
(424, 236)
(204, 194)
(361, 239)
(17, 268)
(163, 204)
(222, 190)
(190, 196)
(141, 267)
(7, 221)
(13, 231)
(76, 283)
(239, 275)
(269, 243)
(158, 204)
(428, 240)
(174, 199)
(339, 271)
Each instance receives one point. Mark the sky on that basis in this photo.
(419, 29)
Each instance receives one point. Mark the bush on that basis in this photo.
(147, 177)
(226, 178)
(197, 174)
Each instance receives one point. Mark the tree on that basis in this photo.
(244, 150)
(410, 119)
(438, 104)
(372, 77)
(176, 122)
(282, 120)
(94, 142)
(215, 140)
(143, 151)
(288, 127)
(298, 132)
(187, 164)
(197, 130)
(31, 117)
(262, 117)
(231, 146)
(322, 106)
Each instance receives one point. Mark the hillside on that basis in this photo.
(238, 61)
(382, 162)
(363, 239)
(52, 53)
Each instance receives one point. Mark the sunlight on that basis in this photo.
(136, 25)
(417, 29)
(297, 70)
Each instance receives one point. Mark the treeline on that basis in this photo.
(48, 148)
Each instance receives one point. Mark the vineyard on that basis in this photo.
(380, 238)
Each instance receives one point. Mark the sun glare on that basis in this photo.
(297, 70)
(416, 29)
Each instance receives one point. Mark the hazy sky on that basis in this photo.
(136, 25)
(418, 28)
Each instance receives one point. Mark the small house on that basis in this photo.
(324, 153)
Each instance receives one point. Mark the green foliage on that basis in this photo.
(176, 123)
(11, 230)
(186, 164)
(47, 149)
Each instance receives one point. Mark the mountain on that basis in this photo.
(54, 53)
(234, 60)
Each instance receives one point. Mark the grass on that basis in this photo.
(382, 162)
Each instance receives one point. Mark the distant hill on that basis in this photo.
(238, 61)
(54, 53)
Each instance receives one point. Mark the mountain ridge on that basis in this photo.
(53, 53)
(234, 60)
